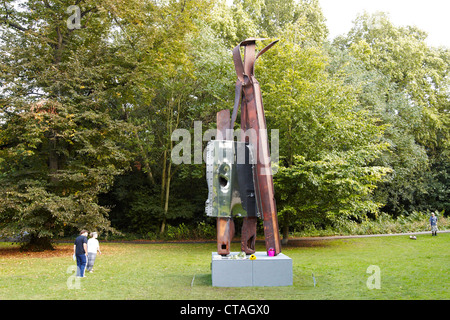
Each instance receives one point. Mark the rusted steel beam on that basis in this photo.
(248, 235)
(225, 226)
(252, 117)
(256, 190)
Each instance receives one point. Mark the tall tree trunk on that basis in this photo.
(163, 186)
(167, 167)
(145, 159)
(167, 195)
(52, 157)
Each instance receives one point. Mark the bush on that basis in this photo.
(382, 224)
(201, 231)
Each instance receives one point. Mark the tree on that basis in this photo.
(60, 147)
(421, 74)
(270, 17)
(327, 144)
(326, 169)
(383, 100)
(182, 74)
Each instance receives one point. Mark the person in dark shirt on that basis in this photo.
(80, 252)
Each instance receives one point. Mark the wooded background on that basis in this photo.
(87, 114)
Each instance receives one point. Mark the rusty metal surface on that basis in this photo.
(248, 235)
(248, 96)
(225, 226)
(252, 117)
(225, 233)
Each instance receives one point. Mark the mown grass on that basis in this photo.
(410, 269)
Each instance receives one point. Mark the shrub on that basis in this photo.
(201, 231)
(382, 224)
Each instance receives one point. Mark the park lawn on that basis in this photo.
(409, 269)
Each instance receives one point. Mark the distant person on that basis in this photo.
(433, 223)
(92, 246)
(80, 252)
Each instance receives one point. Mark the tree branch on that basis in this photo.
(13, 24)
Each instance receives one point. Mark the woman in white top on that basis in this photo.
(92, 246)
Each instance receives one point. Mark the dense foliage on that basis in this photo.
(87, 114)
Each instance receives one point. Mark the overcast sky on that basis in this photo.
(432, 16)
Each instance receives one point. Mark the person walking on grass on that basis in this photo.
(80, 252)
(433, 223)
(92, 246)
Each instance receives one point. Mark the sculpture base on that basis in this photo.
(264, 271)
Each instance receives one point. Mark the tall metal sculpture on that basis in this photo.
(239, 174)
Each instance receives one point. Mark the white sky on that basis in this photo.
(432, 16)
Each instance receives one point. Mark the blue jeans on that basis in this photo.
(81, 264)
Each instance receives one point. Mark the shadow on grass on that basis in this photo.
(202, 280)
(13, 250)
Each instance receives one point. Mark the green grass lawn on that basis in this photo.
(409, 269)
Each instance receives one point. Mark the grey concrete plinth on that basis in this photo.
(264, 271)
